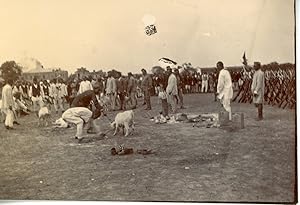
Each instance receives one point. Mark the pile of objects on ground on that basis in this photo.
(206, 120)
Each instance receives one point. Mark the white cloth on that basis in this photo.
(172, 85)
(224, 88)
(162, 95)
(204, 86)
(84, 86)
(15, 90)
(78, 116)
(9, 120)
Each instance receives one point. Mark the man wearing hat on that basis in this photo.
(257, 88)
(172, 90)
(146, 87)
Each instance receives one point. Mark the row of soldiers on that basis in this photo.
(280, 87)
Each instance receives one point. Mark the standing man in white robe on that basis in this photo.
(172, 90)
(224, 88)
(257, 88)
(8, 104)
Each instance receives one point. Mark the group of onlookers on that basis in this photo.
(120, 92)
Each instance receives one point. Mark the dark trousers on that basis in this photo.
(165, 107)
(147, 98)
(180, 96)
(122, 101)
(260, 110)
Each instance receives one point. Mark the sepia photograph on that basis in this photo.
(148, 101)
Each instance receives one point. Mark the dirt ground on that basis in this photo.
(254, 164)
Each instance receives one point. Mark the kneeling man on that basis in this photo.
(81, 116)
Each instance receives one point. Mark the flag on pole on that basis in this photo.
(245, 59)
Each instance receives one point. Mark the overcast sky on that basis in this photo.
(106, 34)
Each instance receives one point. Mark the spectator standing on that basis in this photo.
(224, 88)
(204, 86)
(8, 105)
(122, 91)
(132, 90)
(35, 95)
(179, 88)
(172, 90)
(111, 90)
(85, 85)
(257, 88)
(146, 85)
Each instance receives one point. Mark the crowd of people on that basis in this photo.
(92, 96)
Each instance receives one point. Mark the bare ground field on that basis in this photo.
(254, 164)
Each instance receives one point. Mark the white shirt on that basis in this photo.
(84, 86)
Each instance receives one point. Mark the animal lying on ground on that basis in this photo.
(125, 120)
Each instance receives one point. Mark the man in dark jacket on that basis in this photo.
(132, 90)
(146, 87)
(122, 89)
(88, 99)
(179, 87)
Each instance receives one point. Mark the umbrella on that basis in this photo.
(165, 62)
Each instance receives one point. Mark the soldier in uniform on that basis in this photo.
(257, 88)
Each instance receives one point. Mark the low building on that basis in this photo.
(83, 72)
(45, 74)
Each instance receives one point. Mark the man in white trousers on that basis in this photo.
(7, 105)
(81, 116)
(172, 90)
(224, 88)
(204, 85)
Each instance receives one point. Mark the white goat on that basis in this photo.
(125, 120)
